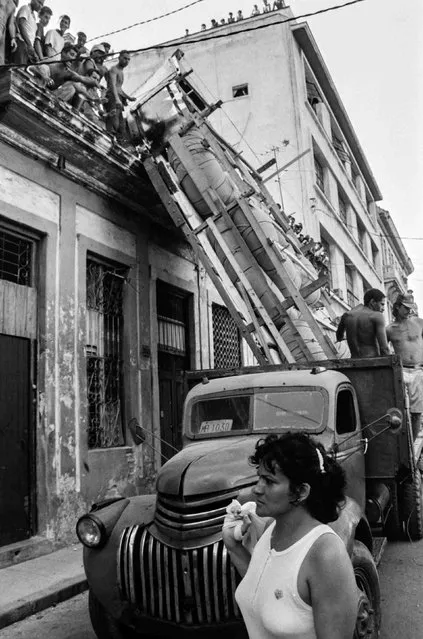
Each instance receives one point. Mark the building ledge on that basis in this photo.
(35, 121)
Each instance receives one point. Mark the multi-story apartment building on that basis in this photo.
(397, 265)
(279, 101)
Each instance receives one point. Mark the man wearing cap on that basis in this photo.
(406, 336)
(95, 61)
(364, 326)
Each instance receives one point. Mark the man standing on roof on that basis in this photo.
(25, 34)
(364, 326)
(116, 97)
(406, 336)
(7, 10)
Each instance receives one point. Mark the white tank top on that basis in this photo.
(268, 596)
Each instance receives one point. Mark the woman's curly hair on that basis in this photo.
(296, 456)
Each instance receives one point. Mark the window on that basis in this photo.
(340, 149)
(240, 91)
(16, 256)
(342, 205)
(326, 249)
(361, 231)
(226, 339)
(320, 176)
(346, 421)
(351, 298)
(354, 177)
(104, 354)
(314, 95)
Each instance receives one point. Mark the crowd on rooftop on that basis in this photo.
(62, 63)
(267, 8)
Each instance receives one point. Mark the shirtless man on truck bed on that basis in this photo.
(406, 336)
(364, 326)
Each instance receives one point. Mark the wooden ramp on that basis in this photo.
(238, 232)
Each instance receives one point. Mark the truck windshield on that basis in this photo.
(264, 411)
(302, 409)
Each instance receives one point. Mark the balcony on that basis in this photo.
(33, 120)
(393, 274)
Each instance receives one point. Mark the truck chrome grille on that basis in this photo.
(188, 587)
(202, 515)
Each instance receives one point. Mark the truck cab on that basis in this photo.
(156, 564)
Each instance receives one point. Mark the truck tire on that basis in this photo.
(367, 580)
(412, 510)
(105, 627)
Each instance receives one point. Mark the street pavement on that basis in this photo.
(402, 603)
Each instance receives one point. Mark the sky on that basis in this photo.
(374, 53)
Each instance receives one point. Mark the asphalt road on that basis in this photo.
(401, 576)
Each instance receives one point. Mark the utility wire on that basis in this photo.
(137, 24)
(202, 39)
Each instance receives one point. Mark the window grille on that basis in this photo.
(15, 259)
(320, 179)
(226, 339)
(172, 335)
(104, 355)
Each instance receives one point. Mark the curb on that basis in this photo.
(43, 599)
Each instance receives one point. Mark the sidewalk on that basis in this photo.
(37, 584)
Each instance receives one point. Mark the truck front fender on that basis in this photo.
(101, 564)
(347, 523)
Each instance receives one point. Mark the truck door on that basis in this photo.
(350, 442)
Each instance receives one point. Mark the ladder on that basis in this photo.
(233, 235)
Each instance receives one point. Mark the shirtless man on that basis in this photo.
(365, 327)
(406, 336)
(116, 97)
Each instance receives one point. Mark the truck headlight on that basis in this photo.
(91, 531)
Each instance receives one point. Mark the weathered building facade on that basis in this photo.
(280, 103)
(397, 265)
(102, 309)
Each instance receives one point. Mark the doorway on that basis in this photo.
(15, 439)
(173, 312)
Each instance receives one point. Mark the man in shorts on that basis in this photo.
(406, 336)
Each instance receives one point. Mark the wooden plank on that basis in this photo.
(253, 296)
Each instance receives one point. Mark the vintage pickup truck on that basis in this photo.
(156, 565)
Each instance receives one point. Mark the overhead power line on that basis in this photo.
(216, 36)
(138, 24)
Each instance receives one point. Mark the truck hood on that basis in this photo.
(209, 467)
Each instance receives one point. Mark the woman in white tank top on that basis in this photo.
(299, 582)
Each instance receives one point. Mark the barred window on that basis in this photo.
(104, 354)
(226, 339)
(15, 259)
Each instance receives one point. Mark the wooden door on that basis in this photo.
(171, 385)
(173, 313)
(15, 439)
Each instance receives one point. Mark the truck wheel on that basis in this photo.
(105, 627)
(367, 580)
(412, 507)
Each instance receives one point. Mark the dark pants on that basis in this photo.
(20, 56)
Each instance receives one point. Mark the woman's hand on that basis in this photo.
(233, 531)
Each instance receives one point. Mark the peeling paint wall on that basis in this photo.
(67, 223)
